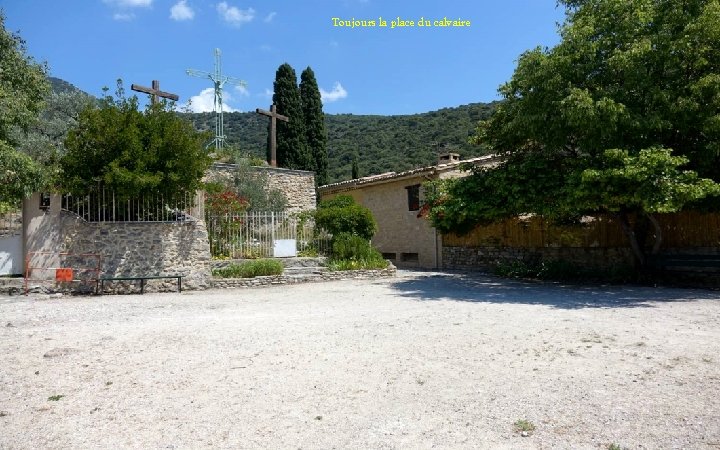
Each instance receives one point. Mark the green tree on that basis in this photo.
(23, 85)
(588, 126)
(133, 152)
(314, 121)
(44, 140)
(253, 184)
(292, 150)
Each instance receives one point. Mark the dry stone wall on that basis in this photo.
(125, 248)
(484, 258)
(297, 185)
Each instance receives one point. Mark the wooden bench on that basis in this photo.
(684, 263)
(142, 279)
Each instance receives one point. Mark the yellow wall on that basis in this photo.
(399, 230)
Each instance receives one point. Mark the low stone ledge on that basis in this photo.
(226, 283)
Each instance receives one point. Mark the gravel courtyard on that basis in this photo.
(419, 361)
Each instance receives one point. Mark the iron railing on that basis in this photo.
(104, 206)
(255, 234)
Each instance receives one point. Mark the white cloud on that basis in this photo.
(268, 93)
(242, 90)
(123, 16)
(205, 101)
(129, 3)
(234, 15)
(181, 11)
(336, 93)
(269, 17)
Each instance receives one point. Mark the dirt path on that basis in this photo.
(424, 360)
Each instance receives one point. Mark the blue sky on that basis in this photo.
(361, 70)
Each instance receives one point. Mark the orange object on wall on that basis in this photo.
(63, 274)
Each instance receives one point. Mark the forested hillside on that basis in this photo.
(380, 143)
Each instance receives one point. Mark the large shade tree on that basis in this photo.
(621, 117)
(23, 85)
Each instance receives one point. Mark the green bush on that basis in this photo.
(342, 215)
(250, 269)
(351, 252)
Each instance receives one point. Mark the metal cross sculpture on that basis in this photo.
(154, 92)
(273, 115)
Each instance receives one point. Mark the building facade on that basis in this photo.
(395, 200)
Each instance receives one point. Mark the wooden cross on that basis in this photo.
(273, 115)
(154, 92)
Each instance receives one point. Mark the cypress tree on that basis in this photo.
(355, 168)
(291, 147)
(314, 119)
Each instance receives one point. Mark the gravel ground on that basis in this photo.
(423, 360)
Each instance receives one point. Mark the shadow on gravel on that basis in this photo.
(472, 287)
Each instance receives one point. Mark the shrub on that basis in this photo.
(250, 269)
(342, 215)
(351, 252)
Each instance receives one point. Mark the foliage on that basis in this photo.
(648, 181)
(352, 252)
(292, 151)
(250, 269)
(385, 143)
(225, 203)
(342, 215)
(20, 176)
(132, 152)
(588, 125)
(44, 139)
(22, 88)
(314, 121)
(253, 184)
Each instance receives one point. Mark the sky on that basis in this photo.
(361, 66)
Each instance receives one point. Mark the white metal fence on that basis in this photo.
(104, 206)
(254, 234)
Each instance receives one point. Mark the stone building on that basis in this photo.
(395, 200)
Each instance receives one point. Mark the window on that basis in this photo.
(409, 257)
(413, 193)
(390, 256)
(44, 200)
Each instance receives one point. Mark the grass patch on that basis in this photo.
(250, 269)
(524, 426)
(55, 398)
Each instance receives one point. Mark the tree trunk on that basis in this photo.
(658, 234)
(632, 237)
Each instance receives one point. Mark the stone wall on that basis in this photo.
(297, 185)
(483, 258)
(391, 271)
(125, 248)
